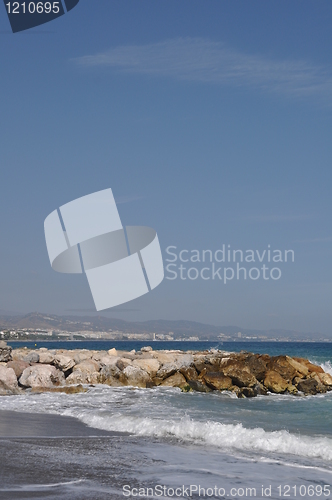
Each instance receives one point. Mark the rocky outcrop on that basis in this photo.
(245, 374)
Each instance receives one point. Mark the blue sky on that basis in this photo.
(210, 121)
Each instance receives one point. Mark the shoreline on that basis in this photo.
(18, 424)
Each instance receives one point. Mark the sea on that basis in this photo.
(196, 445)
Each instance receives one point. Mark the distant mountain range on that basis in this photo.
(180, 329)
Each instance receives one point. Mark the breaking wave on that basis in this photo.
(223, 436)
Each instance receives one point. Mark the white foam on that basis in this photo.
(223, 436)
(327, 367)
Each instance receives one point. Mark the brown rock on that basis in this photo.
(274, 382)
(189, 372)
(281, 365)
(72, 389)
(311, 367)
(325, 378)
(196, 385)
(248, 392)
(176, 380)
(309, 386)
(257, 366)
(240, 377)
(218, 381)
(299, 367)
(18, 366)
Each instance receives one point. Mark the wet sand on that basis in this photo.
(49, 456)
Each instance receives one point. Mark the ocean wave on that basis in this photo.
(327, 367)
(223, 436)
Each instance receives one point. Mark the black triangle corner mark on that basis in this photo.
(70, 4)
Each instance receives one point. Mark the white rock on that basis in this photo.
(8, 378)
(79, 377)
(41, 376)
(63, 362)
(151, 366)
(133, 375)
(88, 366)
(112, 352)
(46, 358)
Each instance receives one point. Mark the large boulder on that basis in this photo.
(20, 353)
(274, 382)
(122, 363)
(82, 355)
(41, 376)
(167, 370)
(8, 380)
(32, 357)
(179, 362)
(326, 379)
(5, 352)
(46, 357)
(176, 380)
(301, 368)
(151, 366)
(218, 381)
(281, 365)
(257, 366)
(189, 372)
(240, 378)
(18, 366)
(132, 375)
(311, 367)
(88, 366)
(79, 377)
(110, 375)
(63, 362)
(108, 360)
(197, 385)
(308, 386)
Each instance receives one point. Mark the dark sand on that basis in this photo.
(52, 457)
(16, 424)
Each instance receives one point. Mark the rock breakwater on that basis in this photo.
(245, 373)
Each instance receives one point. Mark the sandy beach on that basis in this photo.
(50, 456)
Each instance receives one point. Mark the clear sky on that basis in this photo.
(210, 121)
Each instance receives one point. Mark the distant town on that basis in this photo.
(34, 334)
(46, 327)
